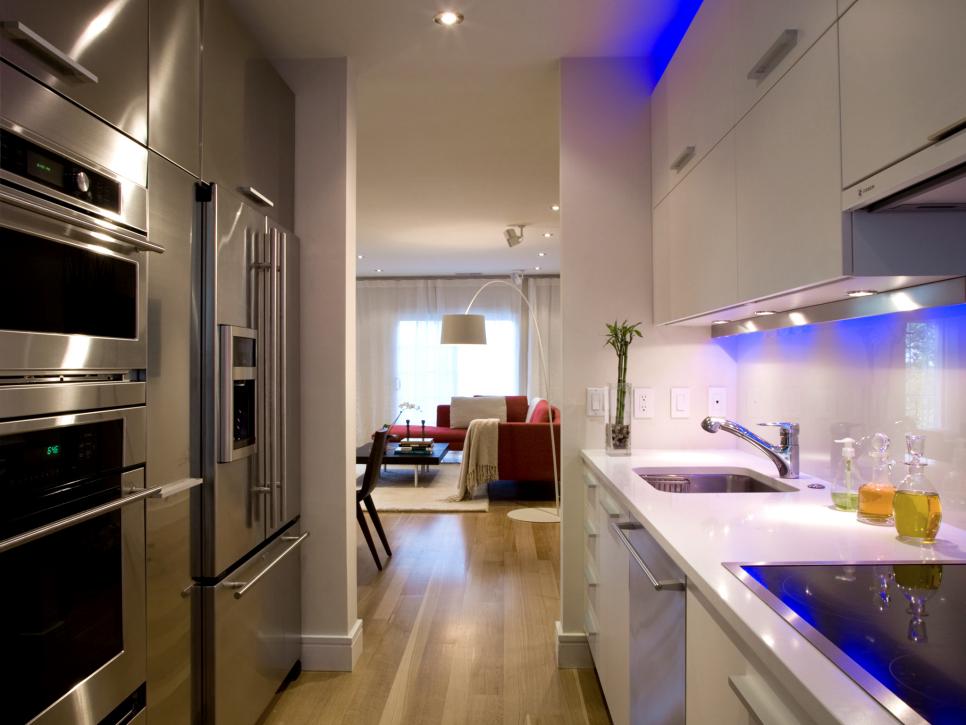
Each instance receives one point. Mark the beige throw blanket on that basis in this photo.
(479, 465)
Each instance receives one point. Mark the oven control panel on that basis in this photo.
(43, 166)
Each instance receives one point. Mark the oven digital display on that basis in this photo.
(45, 169)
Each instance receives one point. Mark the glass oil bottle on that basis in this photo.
(845, 483)
(875, 496)
(918, 511)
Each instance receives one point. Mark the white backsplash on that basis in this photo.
(895, 374)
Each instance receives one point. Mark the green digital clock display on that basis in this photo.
(53, 450)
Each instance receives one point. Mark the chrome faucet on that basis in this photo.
(784, 455)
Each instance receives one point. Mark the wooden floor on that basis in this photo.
(459, 628)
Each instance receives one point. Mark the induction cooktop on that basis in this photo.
(898, 630)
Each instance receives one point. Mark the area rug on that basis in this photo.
(395, 490)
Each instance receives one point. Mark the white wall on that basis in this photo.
(900, 373)
(605, 198)
(325, 200)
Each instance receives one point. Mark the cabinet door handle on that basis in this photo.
(948, 131)
(611, 508)
(682, 160)
(252, 193)
(782, 46)
(760, 701)
(40, 46)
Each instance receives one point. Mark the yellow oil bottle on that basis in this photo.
(918, 511)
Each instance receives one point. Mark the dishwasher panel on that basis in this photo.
(657, 630)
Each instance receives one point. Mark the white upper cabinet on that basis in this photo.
(788, 181)
(903, 71)
(770, 36)
(693, 106)
(695, 262)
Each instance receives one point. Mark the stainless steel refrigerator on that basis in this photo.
(247, 558)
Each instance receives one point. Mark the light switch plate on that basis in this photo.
(643, 403)
(596, 402)
(718, 401)
(680, 402)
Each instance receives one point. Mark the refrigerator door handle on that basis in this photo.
(282, 368)
(242, 588)
(273, 316)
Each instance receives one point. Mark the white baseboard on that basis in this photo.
(573, 652)
(332, 653)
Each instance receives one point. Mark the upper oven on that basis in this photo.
(73, 238)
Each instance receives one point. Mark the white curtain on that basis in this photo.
(400, 360)
(544, 296)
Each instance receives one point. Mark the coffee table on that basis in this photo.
(417, 460)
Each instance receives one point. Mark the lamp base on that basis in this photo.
(535, 515)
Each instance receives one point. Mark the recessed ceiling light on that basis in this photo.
(541, 254)
(358, 256)
(720, 322)
(862, 292)
(537, 268)
(378, 270)
(547, 235)
(764, 313)
(448, 18)
(555, 207)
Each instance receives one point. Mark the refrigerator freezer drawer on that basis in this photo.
(253, 631)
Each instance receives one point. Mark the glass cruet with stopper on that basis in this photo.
(845, 482)
(918, 512)
(875, 496)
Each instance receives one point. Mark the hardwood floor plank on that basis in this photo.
(458, 630)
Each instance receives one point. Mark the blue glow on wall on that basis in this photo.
(669, 39)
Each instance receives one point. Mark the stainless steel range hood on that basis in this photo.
(945, 191)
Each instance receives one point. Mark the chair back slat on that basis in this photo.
(371, 476)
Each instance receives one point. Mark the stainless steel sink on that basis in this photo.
(711, 482)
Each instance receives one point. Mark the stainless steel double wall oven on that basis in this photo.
(73, 282)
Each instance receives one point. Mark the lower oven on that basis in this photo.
(72, 558)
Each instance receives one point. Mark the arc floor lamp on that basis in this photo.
(467, 329)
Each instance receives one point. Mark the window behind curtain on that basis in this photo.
(428, 373)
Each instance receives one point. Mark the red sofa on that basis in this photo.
(524, 448)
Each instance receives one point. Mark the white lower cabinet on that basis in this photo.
(723, 686)
(606, 618)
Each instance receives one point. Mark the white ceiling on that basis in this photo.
(458, 127)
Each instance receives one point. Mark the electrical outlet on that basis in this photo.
(643, 402)
(680, 402)
(596, 402)
(718, 401)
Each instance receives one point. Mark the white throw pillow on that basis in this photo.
(463, 410)
(532, 409)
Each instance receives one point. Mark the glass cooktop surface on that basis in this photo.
(898, 630)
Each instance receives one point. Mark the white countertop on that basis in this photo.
(701, 531)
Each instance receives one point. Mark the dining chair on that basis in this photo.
(364, 487)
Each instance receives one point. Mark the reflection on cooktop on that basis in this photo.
(899, 630)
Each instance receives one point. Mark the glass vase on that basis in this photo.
(617, 430)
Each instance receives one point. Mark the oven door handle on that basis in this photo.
(107, 233)
(66, 523)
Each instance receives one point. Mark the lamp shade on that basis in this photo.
(463, 330)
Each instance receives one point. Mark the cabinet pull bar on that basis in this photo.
(659, 585)
(40, 46)
(253, 193)
(242, 588)
(611, 508)
(787, 40)
(950, 130)
(682, 160)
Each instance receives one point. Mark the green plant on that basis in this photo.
(619, 336)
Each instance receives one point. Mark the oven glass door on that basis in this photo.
(69, 615)
(71, 298)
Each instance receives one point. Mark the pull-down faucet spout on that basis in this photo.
(784, 455)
